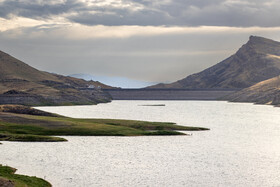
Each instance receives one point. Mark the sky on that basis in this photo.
(142, 40)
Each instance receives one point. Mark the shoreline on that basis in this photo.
(8, 178)
(25, 124)
(21, 123)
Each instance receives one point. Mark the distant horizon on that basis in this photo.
(120, 82)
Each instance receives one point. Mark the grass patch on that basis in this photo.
(8, 177)
(26, 127)
(28, 138)
(163, 133)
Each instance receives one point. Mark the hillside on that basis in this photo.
(23, 84)
(257, 60)
(265, 92)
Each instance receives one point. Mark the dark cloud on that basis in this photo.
(238, 13)
(116, 17)
(36, 9)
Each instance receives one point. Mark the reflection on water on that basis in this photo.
(242, 148)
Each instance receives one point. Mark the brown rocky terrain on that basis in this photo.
(23, 84)
(265, 92)
(256, 61)
(6, 183)
(20, 109)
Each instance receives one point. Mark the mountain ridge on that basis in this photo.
(255, 61)
(23, 84)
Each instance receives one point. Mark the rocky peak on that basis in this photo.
(255, 61)
(263, 45)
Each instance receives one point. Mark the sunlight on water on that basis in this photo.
(241, 149)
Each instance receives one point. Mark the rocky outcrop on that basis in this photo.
(19, 109)
(265, 92)
(6, 183)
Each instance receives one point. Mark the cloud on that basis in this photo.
(147, 53)
(149, 40)
(35, 9)
(234, 13)
(74, 32)
(186, 13)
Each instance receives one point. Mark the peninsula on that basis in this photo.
(22, 123)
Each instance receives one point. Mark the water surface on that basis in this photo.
(241, 149)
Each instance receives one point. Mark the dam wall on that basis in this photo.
(169, 94)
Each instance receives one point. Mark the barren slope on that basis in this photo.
(257, 60)
(23, 84)
(265, 92)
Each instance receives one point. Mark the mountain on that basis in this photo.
(23, 84)
(257, 60)
(115, 81)
(265, 92)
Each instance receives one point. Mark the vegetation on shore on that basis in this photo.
(18, 126)
(8, 178)
(22, 123)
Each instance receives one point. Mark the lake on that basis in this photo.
(241, 149)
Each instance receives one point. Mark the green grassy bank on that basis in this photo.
(21, 123)
(8, 178)
(41, 126)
